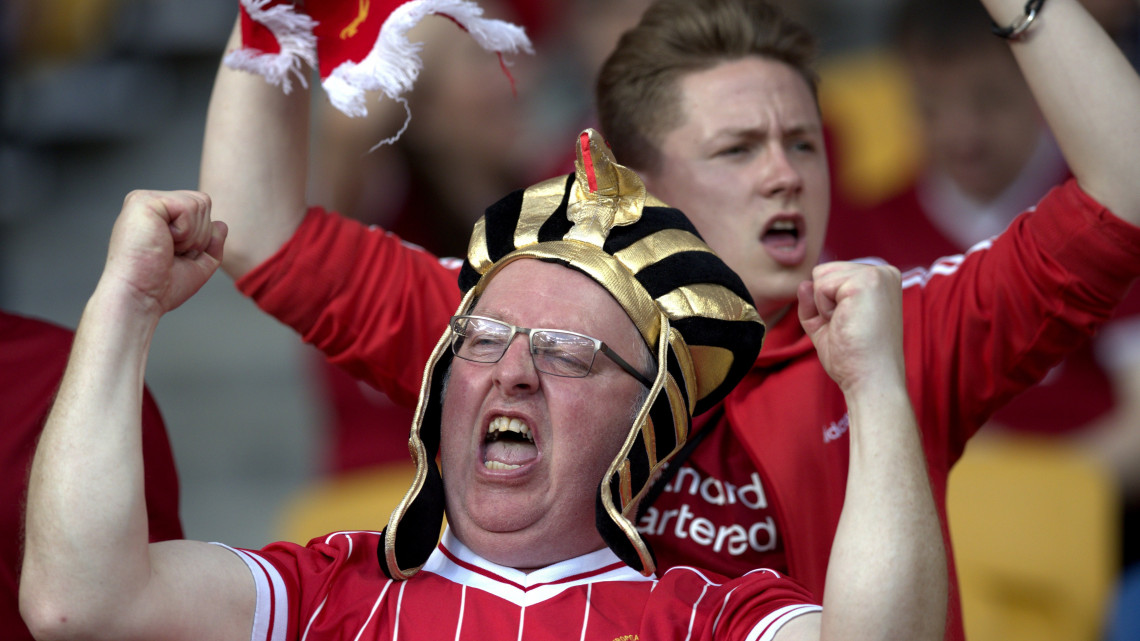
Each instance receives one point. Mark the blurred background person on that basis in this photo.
(986, 155)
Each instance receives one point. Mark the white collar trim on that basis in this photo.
(456, 562)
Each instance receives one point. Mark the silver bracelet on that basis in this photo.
(1019, 26)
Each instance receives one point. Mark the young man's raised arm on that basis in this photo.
(255, 162)
(1089, 95)
(89, 572)
(886, 578)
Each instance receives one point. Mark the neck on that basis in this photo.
(772, 317)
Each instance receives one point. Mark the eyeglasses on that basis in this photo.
(553, 351)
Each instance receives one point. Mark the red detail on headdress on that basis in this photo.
(588, 162)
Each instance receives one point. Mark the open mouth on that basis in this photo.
(784, 239)
(783, 233)
(508, 444)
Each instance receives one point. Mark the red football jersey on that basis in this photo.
(334, 589)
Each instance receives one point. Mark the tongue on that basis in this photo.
(511, 452)
(780, 240)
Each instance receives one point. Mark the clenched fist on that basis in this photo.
(164, 247)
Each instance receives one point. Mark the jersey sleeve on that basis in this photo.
(319, 590)
(693, 604)
(985, 325)
(376, 306)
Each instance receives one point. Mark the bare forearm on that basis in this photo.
(1089, 94)
(254, 163)
(86, 533)
(887, 572)
(886, 576)
(89, 572)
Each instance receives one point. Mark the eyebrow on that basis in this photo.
(763, 132)
(496, 313)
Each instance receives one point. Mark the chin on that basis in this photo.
(776, 293)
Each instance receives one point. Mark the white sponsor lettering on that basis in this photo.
(702, 531)
(733, 539)
(756, 491)
(768, 526)
(717, 492)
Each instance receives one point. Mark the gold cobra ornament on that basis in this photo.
(361, 15)
(605, 194)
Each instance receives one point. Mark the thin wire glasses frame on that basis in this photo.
(559, 352)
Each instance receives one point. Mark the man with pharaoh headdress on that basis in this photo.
(594, 323)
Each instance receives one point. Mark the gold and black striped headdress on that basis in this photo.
(694, 313)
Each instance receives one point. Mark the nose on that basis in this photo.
(779, 175)
(515, 371)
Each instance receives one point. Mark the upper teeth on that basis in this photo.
(784, 225)
(504, 424)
